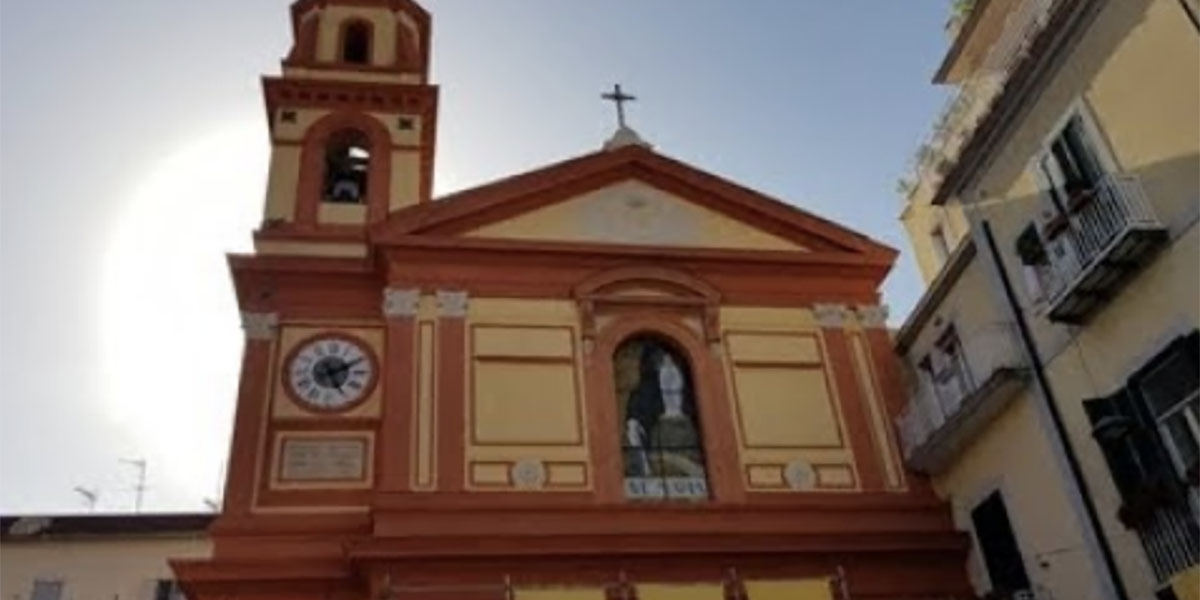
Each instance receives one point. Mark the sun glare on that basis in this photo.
(169, 322)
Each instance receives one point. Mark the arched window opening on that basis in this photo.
(347, 158)
(356, 44)
(660, 428)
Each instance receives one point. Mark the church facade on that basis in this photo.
(617, 376)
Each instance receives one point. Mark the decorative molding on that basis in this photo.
(799, 475)
(529, 473)
(452, 304)
(871, 315)
(260, 326)
(400, 303)
(830, 315)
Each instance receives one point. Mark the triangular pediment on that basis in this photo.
(632, 212)
(630, 196)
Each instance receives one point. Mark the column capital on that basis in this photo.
(399, 303)
(260, 326)
(830, 315)
(452, 303)
(872, 315)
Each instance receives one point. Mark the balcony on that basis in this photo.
(1110, 232)
(982, 59)
(960, 395)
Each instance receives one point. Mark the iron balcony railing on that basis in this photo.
(955, 380)
(1171, 538)
(963, 112)
(1097, 224)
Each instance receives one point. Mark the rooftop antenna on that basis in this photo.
(90, 496)
(140, 488)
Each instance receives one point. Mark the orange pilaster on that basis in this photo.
(854, 408)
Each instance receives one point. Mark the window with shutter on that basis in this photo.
(1170, 389)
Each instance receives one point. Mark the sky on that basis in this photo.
(133, 156)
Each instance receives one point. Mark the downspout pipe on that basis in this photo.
(1060, 430)
(1191, 14)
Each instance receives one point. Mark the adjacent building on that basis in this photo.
(615, 376)
(1053, 357)
(112, 557)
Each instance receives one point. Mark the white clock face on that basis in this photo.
(331, 373)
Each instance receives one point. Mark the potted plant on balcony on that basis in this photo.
(1080, 193)
(1143, 502)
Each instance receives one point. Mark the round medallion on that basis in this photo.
(330, 372)
(529, 473)
(799, 475)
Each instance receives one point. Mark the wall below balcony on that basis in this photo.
(1011, 456)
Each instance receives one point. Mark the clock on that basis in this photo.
(330, 372)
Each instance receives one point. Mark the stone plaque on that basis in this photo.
(323, 459)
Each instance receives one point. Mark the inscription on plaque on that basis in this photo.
(334, 459)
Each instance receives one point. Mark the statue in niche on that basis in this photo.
(661, 441)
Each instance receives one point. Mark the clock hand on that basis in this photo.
(348, 365)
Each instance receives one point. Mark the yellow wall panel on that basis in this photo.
(785, 407)
(341, 214)
(529, 403)
(522, 342)
(283, 179)
(813, 589)
(767, 318)
(567, 474)
(406, 179)
(765, 475)
(490, 473)
(712, 591)
(522, 311)
(560, 594)
(774, 348)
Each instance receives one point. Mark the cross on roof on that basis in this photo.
(619, 98)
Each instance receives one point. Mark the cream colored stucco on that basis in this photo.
(293, 131)
(506, 412)
(99, 567)
(425, 420)
(633, 212)
(1135, 75)
(761, 318)
(920, 219)
(1011, 456)
(319, 249)
(751, 347)
(561, 594)
(772, 344)
(517, 345)
(406, 179)
(400, 137)
(813, 589)
(355, 76)
(785, 407)
(332, 213)
(283, 180)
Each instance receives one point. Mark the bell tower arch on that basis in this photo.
(353, 120)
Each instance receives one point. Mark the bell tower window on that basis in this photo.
(356, 43)
(660, 434)
(347, 162)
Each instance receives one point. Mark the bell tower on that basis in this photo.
(353, 120)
